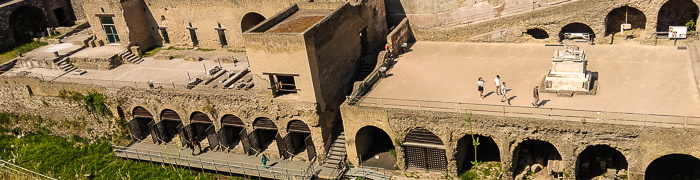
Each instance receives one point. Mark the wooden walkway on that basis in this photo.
(223, 163)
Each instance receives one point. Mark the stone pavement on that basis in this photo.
(214, 161)
(632, 78)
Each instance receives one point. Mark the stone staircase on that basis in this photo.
(64, 65)
(368, 66)
(334, 166)
(127, 56)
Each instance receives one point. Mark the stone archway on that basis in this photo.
(230, 133)
(142, 125)
(538, 157)
(600, 159)
(487, 151)
(372, 142)
(672, 167)
(201, 127)
(26, 23)
(250, 20)
(538, 33)
(171, 126)
(676, 13)
(425, 150)
(300, 141)
(577, 28)
(625, 15)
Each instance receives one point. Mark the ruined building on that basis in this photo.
(378, 83)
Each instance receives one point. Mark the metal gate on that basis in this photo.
(223, 138)
(212, 137)
(245, 141)
(254, 141)
(135, 129)
(425, 150)
(156, 131)
(282, 146)
(183, 136)
(310, 148)
(431, 159)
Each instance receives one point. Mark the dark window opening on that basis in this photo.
(250, 20)
(597, 160)
(164, 33)
(222, 37)
(193, 35)
(282, 85)
(110, 29)
(673, 166)
(61, 17)
(102, 9)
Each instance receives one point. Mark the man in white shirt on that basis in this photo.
(497, 82)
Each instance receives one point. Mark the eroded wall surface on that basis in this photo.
(639, 144)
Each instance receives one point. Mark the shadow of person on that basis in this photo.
(273, 164)
(543, 102)
(488, 94)
(510, 99)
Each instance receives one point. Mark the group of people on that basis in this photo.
(501, 90)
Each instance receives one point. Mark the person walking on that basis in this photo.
(536, 95)
(503, 92)
(190, 144)
(497, 82)
(264, 160)
(480, 82)
(196, 143)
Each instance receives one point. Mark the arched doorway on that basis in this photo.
(538, 33)
(487, 152)
(576, 32)
(425, 150)
(264, 134)
(372, 142)
(676, 13)
(139, 126)
(535, 153)
(250, 20)
(673, 167)
(27, 23)
(203, 128)
(171, 125)
(601, 159)
(232, 132)
(625, 15)
(299, 139)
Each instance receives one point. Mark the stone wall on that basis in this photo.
(114, 8)
(29, 96)
(511, 28)
(639, 144)
(96, 63)
(401, 34)
(206, 15)
(7, 39)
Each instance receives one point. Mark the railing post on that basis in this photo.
(418, 104)
(645, 119)
(137, 86)
(173, 85)
(229, 169)
(258, 169)
(115, 87)
(504, 110)
(551, 114)
(70, 80)
(381, 101)
(90, 81)
(201, 165)
(686, 123)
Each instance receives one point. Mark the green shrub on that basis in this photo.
(152, 51)
(393, 153)
(25, 48)
(205, 49)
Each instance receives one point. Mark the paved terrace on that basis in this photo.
(164, 73)
(632, 78)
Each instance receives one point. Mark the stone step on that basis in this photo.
(332, 161)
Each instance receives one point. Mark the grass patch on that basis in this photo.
(173, 48)
(486, 170)
(152, 51)
(205, 49)
(177, 56)
(236, 50)
(54, 36)
(8, 55)
(93, 102)
(393, 153)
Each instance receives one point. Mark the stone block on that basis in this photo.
(54, 41)
(228, 59)
(136, 50)
(162, 57)
(195, 59)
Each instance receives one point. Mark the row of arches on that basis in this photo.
(671, 13)
(231, 133)
(425, 150)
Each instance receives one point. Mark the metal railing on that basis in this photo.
(597, 116)
(20, 172)
(114, 84)
(216, 165)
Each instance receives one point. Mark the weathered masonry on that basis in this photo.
(23, 20)
(437, 141)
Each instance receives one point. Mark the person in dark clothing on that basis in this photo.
(196, 143)
(190, 144)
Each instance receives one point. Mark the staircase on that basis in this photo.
(63, 65)
(368, 65)
(128, 56)
(334, 166)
